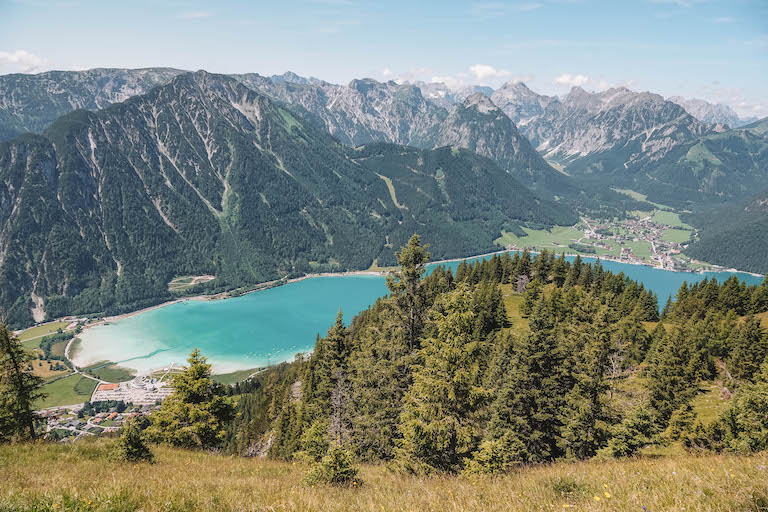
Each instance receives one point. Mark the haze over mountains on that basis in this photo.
(252, 178)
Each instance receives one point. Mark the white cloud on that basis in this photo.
(195, 15)
(450, 81)
(21, 60)
(484, 72)
(724, 19)
(569, 80)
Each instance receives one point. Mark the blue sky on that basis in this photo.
(711, 49)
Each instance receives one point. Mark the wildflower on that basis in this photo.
(597, 498)
(607, 494)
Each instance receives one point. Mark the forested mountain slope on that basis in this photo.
(206, 176)
(734, 236)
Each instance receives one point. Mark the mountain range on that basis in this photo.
(204, 175)
(118, 180)
(615, 138)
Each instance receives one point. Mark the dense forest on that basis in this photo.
(515, 360)
(735, 236)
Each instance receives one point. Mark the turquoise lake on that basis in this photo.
(271, 326)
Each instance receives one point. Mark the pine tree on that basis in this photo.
(750, 350)
(586, 418)
(131, 446)
(335, 468)
(440, 426)
(669, 383)
(406, 288)
(528, 402)
(196, 413)
(634, 432)
(19, 389)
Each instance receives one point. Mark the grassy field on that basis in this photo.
(82, 477)
(44, 370)
(708, 403)
(676, 235)
(40, 331)
(540, 238)
(110, 372)
(669, 219)
(763, 319)
(71, 390)
(233, 377)
(512, 304)
(637, 196)
(182, 283)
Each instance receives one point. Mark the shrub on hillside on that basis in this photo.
(131, 446)
(335, 468)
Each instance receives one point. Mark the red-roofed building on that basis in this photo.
(107, 387)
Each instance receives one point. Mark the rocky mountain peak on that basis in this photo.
(480, 101)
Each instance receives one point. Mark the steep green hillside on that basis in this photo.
(456, 198)
(734, 236)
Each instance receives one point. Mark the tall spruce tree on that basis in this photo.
(196, 414)
(407, 290)
(528, 403)
(19, 389)
(440, 423)
(750, 350)
(586, 416)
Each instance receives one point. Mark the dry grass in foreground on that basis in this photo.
(81, 477)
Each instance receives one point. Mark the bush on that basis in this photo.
(335, 468)
(131, 445)
(630, 435)
(497, 456)
(314, 443)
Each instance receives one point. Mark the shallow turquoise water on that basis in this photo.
(273, 325)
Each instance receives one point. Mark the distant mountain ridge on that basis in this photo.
(30, 103)
(712, 113)
(612, 138)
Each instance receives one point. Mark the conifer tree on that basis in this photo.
(131, 446)
(528, 403)
(586, 418)
(669, 382)
(19, 389)
(406, 288)
(440, 425)
(750, 350)
(196, 414)
(559, 271)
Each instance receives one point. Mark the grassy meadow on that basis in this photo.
(71, 390)
(33, 335)
(82, 477)
(110, 372)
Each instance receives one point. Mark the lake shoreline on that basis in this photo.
(280, 282)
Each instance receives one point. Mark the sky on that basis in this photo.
(711, 49)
